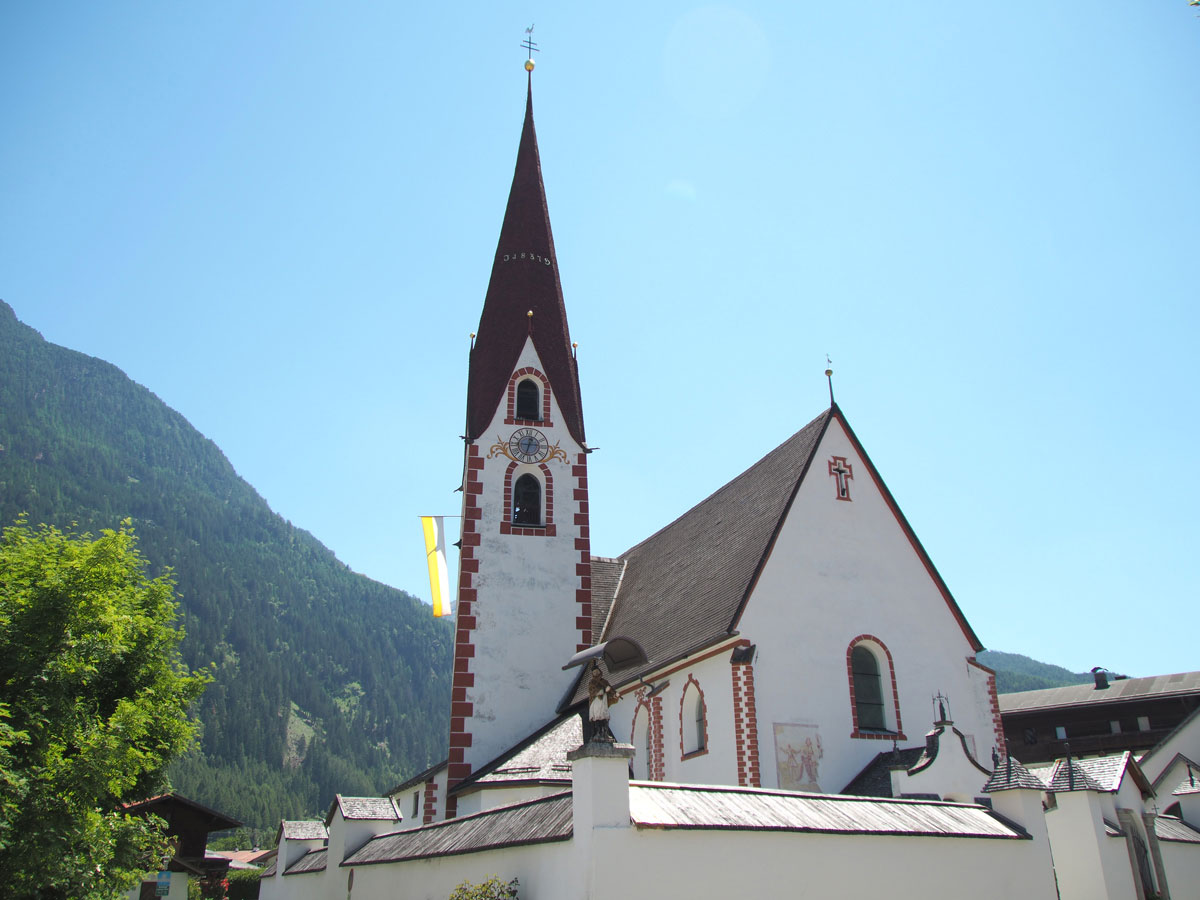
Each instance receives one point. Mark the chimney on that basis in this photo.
(1101, 675)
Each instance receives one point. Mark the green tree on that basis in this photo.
(95, 705)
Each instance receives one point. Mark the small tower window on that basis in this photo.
(529, 400)
(868, 689)
(527, 501)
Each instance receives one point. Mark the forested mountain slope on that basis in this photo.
(324, 680)
(1015, 672)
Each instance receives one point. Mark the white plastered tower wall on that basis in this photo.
(843, 571)
(523, 594)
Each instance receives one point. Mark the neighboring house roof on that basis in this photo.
(1168, 828)
(419, 778)
(212, 820)
(704, 807)
(369, 808)
(240, 859)
(312, 861)
(535, 822)
(302, 830)
(540, 758)
(1011, 775)
(1118, 690)
(875, 780)
(524, 280)
(684, 588)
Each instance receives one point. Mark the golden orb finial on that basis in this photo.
(529, 65)
(828, 373)
(529, 314)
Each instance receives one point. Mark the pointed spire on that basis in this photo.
(524, 299)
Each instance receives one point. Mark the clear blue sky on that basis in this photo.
(280, 217)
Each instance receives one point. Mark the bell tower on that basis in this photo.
(524, 581)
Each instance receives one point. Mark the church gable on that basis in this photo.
(856, 631)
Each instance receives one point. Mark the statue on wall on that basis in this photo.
(601, 695)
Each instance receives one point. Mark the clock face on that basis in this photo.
(528, 445)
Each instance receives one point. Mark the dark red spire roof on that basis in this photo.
(524, 278)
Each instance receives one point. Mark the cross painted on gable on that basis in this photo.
(844, 473)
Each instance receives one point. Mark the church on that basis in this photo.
(790, 700)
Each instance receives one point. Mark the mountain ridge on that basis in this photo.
(325, 679)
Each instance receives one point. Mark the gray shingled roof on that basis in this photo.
(1069, 775)
(1123, 689)
(535, 822)
(304, 830)
(1189, 785)
(683, 586)
(370, 808)
(419, 778)
(1169, 828)
(606, 578)
(269, 871)
(540, 757)
(312, 861)
(677, 806)
(875, 780)
(1011, 775)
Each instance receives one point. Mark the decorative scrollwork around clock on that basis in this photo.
(527, 445)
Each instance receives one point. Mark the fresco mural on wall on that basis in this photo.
(798, 753)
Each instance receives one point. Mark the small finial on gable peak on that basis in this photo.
(829, 375)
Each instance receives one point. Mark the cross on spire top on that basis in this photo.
(530, 48)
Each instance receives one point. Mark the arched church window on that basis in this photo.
(693, 723)
(529, 400)
(868, 689)
(527, 501)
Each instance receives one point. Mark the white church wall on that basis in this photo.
(952, 775)
(1184, 740)
(1090, 864)
(840, 570)
(1183, 869)
(525, 593)
(723, 864)
(545, 872)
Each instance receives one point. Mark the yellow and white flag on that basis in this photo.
(435, 554)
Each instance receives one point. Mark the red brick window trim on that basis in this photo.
(887, 677)
(693, 720)
(542, 472)
(643, 743)
(745, 724)
(531, 374)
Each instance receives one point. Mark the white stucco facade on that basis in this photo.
(523, 607)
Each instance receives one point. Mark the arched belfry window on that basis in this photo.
(868, 689)
(527, 501)
(529, 400)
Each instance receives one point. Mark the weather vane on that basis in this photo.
(530, 47)
(829, 376)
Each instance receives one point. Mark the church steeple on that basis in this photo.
(524, 279)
